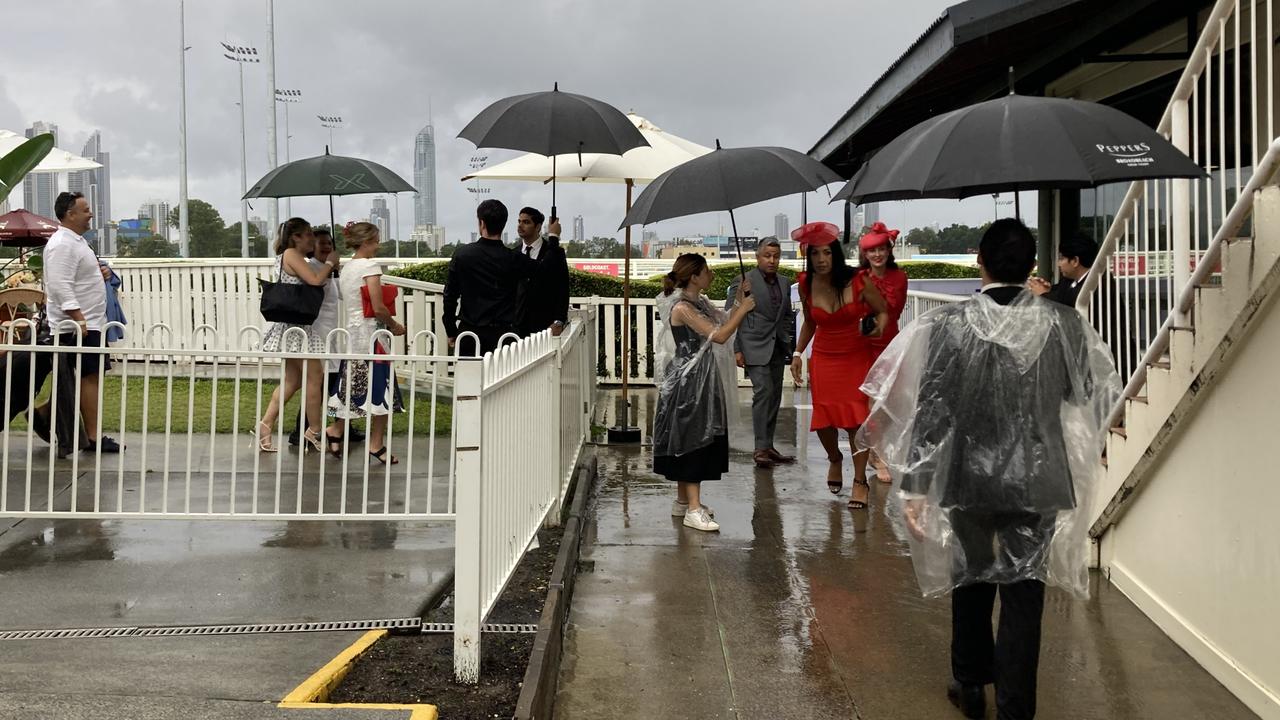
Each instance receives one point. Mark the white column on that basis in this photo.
(244, 178)
(273, 205)
(1181, 207)
(183, 238)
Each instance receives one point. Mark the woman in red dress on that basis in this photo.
(878, 264)
(836, 300)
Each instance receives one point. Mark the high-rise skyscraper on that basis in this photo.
(96, 186)
(781, 226)
(157, 211)
(424, 177)
(38, 190)
(379, 215)
(579, 231)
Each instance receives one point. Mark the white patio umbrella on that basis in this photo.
(638, 166)
(57, 161)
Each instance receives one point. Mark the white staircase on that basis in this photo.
(1184, 521)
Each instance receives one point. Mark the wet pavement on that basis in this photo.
(802, 608)
(132, 572)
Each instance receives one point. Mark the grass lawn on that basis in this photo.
(196, 413)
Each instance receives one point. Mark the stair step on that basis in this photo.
(1139, 399)
(1162, 364)
(1120, 431)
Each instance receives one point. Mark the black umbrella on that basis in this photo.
(727, 179)
(1017, 143)
(554, 123)
(328, 175)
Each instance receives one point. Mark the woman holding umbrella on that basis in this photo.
(843, 312)
(294, 242)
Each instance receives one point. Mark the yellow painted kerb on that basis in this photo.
(313, 693)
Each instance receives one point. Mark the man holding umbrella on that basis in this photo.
(544, 299)
(484, 278)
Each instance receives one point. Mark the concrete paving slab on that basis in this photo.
(817, 610)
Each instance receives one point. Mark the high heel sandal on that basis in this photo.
(264, 441)
(855, 504)
(312, 440)
(835, 485)
(382, 457)
(334, 444)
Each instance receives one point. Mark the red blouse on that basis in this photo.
(893, 287)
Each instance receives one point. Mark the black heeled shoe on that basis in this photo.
(835, 485)
(384, 458)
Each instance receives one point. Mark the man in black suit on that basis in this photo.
(987, 477)
(484, 278)
(1075, 256)
(544, 298)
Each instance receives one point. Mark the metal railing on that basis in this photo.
(1166, 229)
(189, 418)
(187, 410)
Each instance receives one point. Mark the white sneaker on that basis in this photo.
(678, 509)
(700, 520)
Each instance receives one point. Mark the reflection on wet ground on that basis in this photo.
(802, 608)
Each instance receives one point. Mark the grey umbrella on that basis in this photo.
(1017, 143)
(328, 175)
(726, 179)
(554, 123)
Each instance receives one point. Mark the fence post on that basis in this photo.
(468, 388)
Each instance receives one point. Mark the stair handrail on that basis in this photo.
(1235, 219)
(1213, 28)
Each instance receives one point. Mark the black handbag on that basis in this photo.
(868, 325)
(290, 303)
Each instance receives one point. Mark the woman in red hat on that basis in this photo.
(879, 265)
(843, 312)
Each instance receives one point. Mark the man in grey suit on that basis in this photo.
(763, 346)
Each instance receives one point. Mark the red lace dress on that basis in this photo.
(893, 288)
(840, 360)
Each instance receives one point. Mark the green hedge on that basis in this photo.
(585, 284)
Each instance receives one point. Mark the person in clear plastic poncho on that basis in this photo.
(991, 414)
(697, 382)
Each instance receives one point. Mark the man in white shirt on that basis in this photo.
(76, 303)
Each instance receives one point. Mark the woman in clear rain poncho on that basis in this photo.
(992, 414)
(696, 381)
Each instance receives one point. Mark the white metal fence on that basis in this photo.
(1222, 115)
(188, 408)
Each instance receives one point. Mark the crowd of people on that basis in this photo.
(989, 415)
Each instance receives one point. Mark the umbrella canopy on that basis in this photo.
(58, 160)
(25, 229)
(328, 175)
(727, 179)
(553, 123)
(640, 165)
(1017, 143)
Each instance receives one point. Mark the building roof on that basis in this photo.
(965, 55)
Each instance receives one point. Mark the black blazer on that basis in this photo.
(544, 297)
(1008, 453)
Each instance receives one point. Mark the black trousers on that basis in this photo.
(1011, 658)
(20, 392)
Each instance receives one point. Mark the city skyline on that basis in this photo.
(424, 177)
(132, 98)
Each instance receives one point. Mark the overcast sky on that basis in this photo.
(747, 72)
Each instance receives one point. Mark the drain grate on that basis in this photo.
(410, 624)
(432, 628)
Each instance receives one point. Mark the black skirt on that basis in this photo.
(706, 463)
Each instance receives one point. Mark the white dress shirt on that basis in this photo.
(73, 280)
(532, 250)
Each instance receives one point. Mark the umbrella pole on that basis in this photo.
(332, 230)
(553, 191)
(624, 431)
(742, 268)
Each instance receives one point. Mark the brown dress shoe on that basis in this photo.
(778, 457)
(763, 459)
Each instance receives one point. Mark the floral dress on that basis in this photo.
(365, 387)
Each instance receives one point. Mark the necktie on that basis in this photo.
(528, 250)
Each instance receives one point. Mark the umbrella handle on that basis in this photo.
(742, 268)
